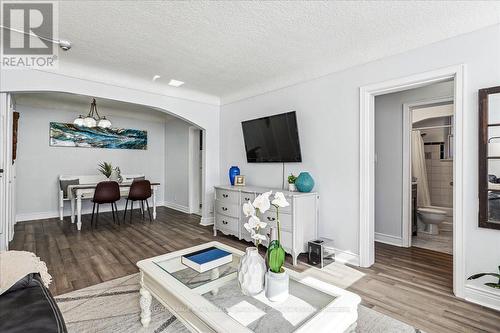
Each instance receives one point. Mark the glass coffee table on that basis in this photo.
(213, 302)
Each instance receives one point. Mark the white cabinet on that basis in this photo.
(299, 221)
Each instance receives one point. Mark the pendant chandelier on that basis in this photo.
(93, 119)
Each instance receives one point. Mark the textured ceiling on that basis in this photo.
(80, 104)
(234, 50)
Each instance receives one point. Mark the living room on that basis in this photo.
(214, 67)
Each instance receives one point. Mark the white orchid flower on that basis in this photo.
(248, 209)
(255, 223)
(280, 200)
(258, 237)
(249, 228)
(261, 224)
(262, 202)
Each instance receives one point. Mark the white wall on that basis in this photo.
(389, 156)
(328, 119)
(204, 115)
(176, 165)
(39, 165)
(443, 110)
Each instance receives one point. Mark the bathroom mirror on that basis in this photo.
(489, 158)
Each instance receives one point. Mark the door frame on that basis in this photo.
(194, 187)
(367, 163)
(6, 231)
(407, 179)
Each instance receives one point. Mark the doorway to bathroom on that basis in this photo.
(413, 180)
(414, 167)
(394, 200)
(428, 127)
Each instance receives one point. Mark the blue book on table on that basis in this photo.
(207, 259)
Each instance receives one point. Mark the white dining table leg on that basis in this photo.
(73, 210)
(154, 202)
(79, 212)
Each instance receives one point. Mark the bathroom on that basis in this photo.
(414, 137)
(432, 177)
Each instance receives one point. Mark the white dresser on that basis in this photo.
(299, 221)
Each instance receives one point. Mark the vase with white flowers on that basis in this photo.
(252, 266)
(277, 279)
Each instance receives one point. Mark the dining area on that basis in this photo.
(104, 191)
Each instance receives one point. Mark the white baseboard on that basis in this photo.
(85, 210)
(346, 257)
(482, 295)
(36, 216)
(54, 214)
(175, 206)
(388, 239)
(206, 221)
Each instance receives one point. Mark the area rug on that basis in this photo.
(113, 306)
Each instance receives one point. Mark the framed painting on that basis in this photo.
(70, 135)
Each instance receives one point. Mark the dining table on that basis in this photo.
(77, 193)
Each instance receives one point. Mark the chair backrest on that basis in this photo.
(107, 192)
(140, 190)
(84, 179)
(94, 179)
(131, 177)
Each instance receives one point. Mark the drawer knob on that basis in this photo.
(224, 208)
(224, 222)
(247, 199)
(271, 218)
(225, 195)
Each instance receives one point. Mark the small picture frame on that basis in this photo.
(239, 180)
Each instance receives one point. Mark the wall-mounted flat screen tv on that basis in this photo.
(272, 139)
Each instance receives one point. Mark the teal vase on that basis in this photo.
(304, 182)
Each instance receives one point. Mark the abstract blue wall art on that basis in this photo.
(69, 135)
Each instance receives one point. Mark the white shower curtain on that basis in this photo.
(418, 169)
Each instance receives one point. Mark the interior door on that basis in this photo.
(5, 168)
(12, 204)
(195, 171)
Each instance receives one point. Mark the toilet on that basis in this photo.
(429, 219)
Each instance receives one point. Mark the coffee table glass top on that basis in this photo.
(261, 315)
(193, 279)
(220, 287)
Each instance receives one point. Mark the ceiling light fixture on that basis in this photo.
(93, 119)
(175, 83)
(64, 44)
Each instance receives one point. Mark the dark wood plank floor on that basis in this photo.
(412, 285)
(80, 259)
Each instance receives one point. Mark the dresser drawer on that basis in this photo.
(228, 196)
(227, 223)
(285, 220)
(247, 196)
(287, 209)
(227, 208)
(245, 234)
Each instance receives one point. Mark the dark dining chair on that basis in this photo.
(106, 192)
(140, 190)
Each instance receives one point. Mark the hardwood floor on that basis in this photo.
(80, 259)
(413, 285)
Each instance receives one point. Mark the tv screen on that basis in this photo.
(272, 139)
